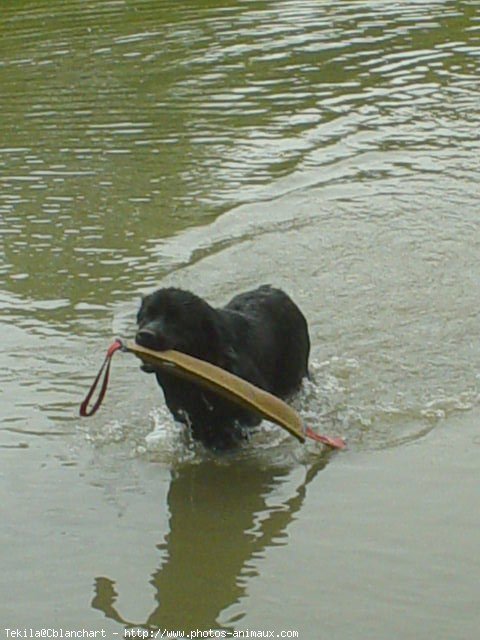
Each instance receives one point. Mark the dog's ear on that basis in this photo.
(230, 362)
(212, 340)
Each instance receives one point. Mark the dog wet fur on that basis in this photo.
(260, 335)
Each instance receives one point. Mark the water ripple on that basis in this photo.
(349, 126)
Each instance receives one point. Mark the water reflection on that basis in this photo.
(222, 520)
(329, 148)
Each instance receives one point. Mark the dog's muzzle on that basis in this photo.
(152, 339)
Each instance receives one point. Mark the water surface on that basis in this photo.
(330, 149)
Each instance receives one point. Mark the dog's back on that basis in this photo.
(275, 334)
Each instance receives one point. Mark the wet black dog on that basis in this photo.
(260, 335)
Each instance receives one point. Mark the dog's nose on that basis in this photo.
(152, 338)
(146, 338)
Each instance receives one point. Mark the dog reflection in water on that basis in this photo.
(219, 525)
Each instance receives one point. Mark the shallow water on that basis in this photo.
(330, 150)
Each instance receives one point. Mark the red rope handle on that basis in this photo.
(84, 410)
(335, 443)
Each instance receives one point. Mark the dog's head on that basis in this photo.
(176, 319)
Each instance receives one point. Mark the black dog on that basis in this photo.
(260, 335)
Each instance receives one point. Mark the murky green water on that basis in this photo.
(331, 149)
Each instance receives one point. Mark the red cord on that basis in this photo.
(335, 443)
(84, 410)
